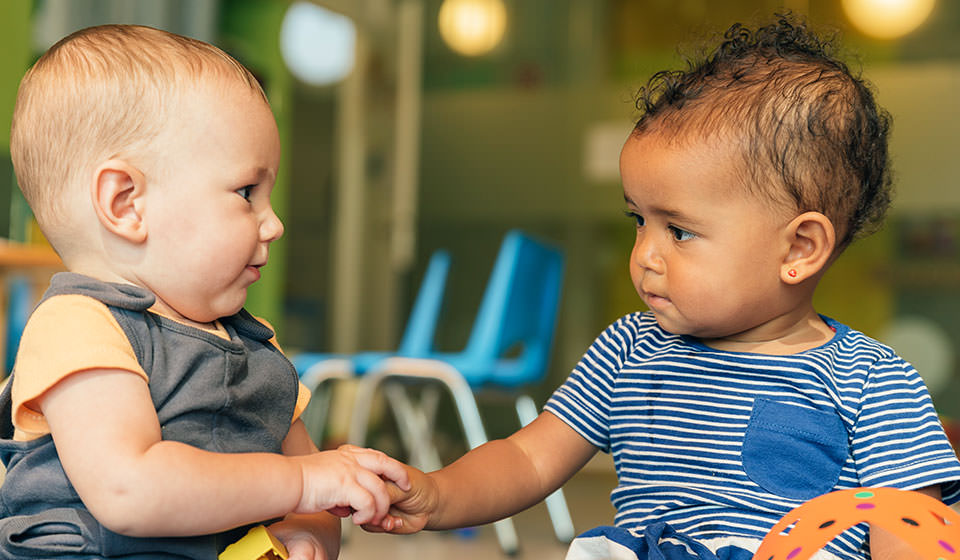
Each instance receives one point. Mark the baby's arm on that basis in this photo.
(109, 441)
(885, 545)
(493, 481)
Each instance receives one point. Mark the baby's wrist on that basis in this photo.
(433, 502)
(303, 501)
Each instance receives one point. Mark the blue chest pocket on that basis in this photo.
(792, 451)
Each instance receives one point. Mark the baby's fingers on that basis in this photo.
(379, 463)
(341, 511)
(373, 501)
(389, 524)
(395, 493)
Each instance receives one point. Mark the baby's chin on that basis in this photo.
(699, 333)
(208, 316)
(670, 326)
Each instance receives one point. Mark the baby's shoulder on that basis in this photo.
(852, 344)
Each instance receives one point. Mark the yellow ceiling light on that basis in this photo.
(887, 19)
(472, 27)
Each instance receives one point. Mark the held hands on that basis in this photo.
(412, 509)
(350, 481)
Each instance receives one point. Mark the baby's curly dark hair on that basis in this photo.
(806, 125)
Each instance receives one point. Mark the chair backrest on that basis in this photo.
(513, 331)
(419, 332)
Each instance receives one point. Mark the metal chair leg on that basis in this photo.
(416, 431)
(464, 400)
(556, 502)
(316, 416)
(362, 404)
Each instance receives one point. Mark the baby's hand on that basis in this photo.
(412, 509)
(302, 541)
(349, 481)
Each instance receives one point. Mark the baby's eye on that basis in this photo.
(635, 217)
(245, 191)
(680, 234)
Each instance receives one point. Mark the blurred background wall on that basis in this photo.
(409, 145)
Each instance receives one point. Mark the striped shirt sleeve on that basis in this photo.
(898, 440)
(583, 401)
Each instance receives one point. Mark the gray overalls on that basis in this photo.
(227, 396)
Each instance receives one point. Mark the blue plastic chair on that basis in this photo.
(316, 369)
(19, 307)
(508, 348)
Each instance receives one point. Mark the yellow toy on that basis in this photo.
(929, 526)
(257, 544)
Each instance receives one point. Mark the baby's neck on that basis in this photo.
(159, 307)
(793, 337)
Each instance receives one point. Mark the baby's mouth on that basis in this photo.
(654, 301)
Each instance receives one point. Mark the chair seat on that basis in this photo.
(360, 362)
(507, 373)
(504, 373)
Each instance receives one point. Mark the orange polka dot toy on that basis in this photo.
(929, 526)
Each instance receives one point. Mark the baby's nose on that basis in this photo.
(271, 228)
(646, 254)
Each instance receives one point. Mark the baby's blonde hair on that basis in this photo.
(102, 92)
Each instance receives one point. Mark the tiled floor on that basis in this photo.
(588, 495)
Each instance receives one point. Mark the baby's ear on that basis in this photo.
(811, 238)
(117, 192)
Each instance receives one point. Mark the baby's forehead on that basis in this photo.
(204, 103)
(726, 148)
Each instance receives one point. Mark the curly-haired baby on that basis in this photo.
(731, 401)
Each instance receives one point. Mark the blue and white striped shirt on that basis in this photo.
(720, 444)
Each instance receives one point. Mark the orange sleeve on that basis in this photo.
(66, 334)
(303, 399)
